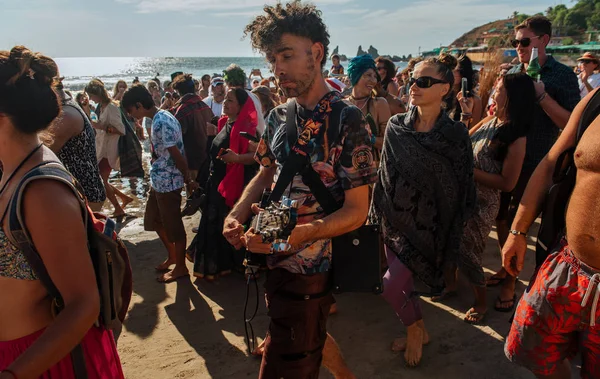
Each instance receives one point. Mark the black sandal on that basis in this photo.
(502, 302)
(497, 280)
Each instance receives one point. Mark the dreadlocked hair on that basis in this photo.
(295, 18)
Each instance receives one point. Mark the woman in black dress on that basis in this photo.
(232, 167)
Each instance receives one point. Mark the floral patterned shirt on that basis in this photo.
(166, 133)
(343, 165)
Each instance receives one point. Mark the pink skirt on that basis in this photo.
(101, 357)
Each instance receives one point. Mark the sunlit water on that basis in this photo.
(79, 71)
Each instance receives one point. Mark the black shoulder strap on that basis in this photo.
(294, 162)
(309, 176)
(591, 111)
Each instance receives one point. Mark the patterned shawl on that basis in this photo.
(424, 193)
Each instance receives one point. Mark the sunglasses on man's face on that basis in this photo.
(525, 42)
(585, 61)
(425, 81)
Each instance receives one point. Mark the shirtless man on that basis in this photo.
(556, 316)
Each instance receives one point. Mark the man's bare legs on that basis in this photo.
(176, 255)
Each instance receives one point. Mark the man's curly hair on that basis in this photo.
(296, 18)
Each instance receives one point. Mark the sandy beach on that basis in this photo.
(195, 329)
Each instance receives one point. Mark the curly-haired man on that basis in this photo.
(295, 41)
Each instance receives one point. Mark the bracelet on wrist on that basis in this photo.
(518, 233)
(542, 97)
(373, 139)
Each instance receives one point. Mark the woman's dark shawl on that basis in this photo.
(424, 193)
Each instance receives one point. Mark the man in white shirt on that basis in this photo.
(217, 97)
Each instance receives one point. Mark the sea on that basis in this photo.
(79, 71)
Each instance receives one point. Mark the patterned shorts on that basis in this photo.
(550, 323)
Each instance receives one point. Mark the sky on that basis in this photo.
(214, 28)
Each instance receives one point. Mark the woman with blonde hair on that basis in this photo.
(109, 128)
(119, 90)
(155, 92)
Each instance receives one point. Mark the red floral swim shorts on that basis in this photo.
(556, 317)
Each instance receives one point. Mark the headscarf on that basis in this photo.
(232, 185)
(359, 65)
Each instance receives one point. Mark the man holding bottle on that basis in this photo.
(557, 92)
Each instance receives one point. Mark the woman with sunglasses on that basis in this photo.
(499, 145)
(424, 194)
(589, 78)
(364, 77)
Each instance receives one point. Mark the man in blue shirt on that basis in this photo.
(168, 174)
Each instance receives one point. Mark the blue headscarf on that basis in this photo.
(358, 66)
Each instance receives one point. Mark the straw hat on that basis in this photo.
(588, 57)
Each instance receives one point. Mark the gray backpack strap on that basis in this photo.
(17, 233)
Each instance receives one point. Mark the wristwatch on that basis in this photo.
(517, 233)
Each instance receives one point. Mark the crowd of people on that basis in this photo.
(435, 164)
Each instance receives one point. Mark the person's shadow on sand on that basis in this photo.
(142, 317)
(193, 317)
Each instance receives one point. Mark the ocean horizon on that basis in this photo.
(78, 71)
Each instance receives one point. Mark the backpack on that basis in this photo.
(108, 253)
(553, 223)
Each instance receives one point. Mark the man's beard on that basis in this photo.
(304, 82)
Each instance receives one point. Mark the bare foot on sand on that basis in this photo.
(399, 343)
(164, 266)
(126, 200)
(414, 345)
(173, 275)
(475, 315)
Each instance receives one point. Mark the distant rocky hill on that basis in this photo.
(492, 33)
(373, 52)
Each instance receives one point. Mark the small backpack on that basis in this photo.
(108, 253)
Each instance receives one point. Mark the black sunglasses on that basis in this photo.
(426, 81)
(585, 61)
(525, 42)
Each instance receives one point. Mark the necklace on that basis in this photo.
(357, 100)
